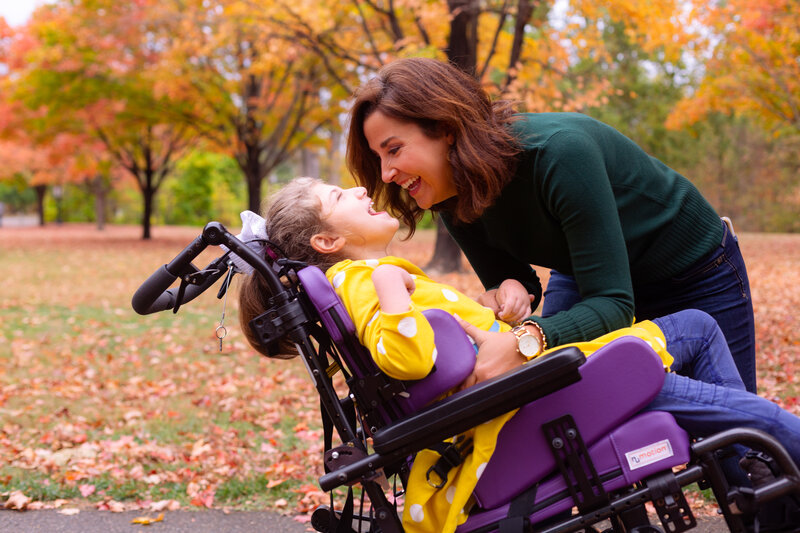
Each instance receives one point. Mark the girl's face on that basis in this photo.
(411, 159)
(349, 214)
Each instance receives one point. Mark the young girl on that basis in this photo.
(338, 230)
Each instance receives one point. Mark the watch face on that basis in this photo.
(528, 345)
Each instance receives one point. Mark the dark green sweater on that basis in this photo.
(587, 201)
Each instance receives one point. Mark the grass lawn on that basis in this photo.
(101, 406)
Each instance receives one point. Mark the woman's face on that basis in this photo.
(411, 159)
(349, 214)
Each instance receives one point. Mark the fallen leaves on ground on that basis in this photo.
(122, 409)
(146, 520)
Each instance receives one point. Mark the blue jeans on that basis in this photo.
(704, 391)
(716, 284)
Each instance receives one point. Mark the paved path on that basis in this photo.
(90, 521)
(18, 221)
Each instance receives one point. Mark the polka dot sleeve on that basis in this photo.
(401, 344)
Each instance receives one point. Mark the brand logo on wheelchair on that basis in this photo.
(649, 454)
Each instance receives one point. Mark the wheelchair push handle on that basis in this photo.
(154, 295)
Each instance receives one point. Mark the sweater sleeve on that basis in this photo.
(401, 344)
(577, 190)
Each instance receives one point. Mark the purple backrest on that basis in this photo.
(455, 353)
(617, 381)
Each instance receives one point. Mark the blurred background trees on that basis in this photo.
(181, 111)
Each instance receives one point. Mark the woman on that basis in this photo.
(338, 230)
(624, 234)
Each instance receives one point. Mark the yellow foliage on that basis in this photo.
(753, 66)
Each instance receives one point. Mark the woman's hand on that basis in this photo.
(394, 287)
(510, 302)
(497, 353)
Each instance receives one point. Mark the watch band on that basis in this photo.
(541, 331)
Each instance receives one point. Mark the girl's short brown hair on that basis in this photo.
(441, 100)
(293, 216)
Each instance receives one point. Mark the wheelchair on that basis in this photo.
(579, 452)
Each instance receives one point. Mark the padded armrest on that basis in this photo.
(462, 411)
(480, 403)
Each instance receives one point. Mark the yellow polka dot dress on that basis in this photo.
(402, 347)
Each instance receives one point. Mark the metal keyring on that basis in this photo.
(224, 332)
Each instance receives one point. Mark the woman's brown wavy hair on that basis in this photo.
(441, 100)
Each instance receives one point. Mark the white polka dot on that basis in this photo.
(372, 262)
(413, 276)
(450, 494)
(407, 327)
(450, 295)
(338, 279)
(374, 317)
(479, 471)
(381, 349)
(416, 513)
(434, 355)
(661, 342)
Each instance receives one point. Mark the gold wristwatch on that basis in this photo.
(527, 343)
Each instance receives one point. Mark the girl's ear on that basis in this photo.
(325, 243)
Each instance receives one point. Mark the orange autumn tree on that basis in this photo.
(748, 96)
(250, 93)
(91, 71)
(519, 49)
(752, 66)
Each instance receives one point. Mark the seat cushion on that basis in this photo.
(646, 444)
(617, 381)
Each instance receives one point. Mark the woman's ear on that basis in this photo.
(325, 243)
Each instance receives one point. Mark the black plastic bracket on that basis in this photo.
(575, 464)
(271, 325)
(670, 503)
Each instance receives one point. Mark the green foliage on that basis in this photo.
(75, 205)
(16, 195)
(206, 186)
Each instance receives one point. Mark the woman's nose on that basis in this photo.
(388, 174)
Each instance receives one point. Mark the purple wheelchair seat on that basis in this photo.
(617, 381)
(646, 444)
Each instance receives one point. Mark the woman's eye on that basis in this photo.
(393, 150)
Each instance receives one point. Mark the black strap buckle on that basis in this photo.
(452, 454)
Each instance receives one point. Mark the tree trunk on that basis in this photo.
(40, 192)
(148, 194)
(462, 52)
(253, 193)
(100, 191)
(446, 253)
